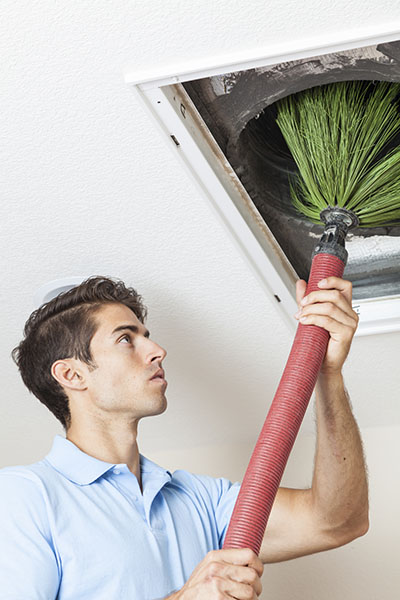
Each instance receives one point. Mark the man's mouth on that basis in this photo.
(159, 376)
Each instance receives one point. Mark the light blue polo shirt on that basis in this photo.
(73, 527)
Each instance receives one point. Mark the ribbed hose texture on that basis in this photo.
(264, 473)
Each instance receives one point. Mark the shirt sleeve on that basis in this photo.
(28, 565)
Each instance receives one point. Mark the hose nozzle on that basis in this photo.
(337, 223)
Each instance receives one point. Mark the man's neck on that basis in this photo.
(116, 445)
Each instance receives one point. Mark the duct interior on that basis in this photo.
(239, 110)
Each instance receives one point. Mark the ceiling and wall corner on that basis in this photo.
(89, 185)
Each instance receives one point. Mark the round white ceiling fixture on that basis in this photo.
(51, 289)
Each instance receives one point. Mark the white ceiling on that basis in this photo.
(90, 186)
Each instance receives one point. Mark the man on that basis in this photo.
(95, 519)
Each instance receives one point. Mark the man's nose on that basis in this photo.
(157, 352)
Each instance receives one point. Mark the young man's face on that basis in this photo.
(126, 361)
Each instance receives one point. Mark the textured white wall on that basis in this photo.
(89, 186)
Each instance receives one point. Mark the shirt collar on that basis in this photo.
(83, 469)
(75, 465)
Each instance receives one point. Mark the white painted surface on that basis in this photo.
(89, 185)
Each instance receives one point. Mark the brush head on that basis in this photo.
(341, 136)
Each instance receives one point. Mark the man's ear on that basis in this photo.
(69, 374)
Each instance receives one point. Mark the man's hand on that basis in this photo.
(233, 573)
(330, 308)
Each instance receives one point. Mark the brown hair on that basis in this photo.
(63, 328)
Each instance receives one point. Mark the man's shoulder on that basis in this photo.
(24, 477)
(195, 479)
(212, 488)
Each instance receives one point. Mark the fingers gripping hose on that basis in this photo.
(269, 458)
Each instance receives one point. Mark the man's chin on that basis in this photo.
(158, 407)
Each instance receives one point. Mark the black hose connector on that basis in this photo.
(337, 223)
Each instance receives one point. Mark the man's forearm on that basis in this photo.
(339, 488)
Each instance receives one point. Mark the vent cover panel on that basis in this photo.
(211, 119)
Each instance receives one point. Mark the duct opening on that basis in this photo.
(267, 164)
(239, 110)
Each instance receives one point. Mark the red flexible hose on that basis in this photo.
(271, 453)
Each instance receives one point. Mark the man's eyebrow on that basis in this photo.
(132, 328)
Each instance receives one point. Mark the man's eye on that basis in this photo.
(126, 337)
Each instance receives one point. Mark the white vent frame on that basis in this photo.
(168, 104)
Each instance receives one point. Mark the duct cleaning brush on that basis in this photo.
(339, 136)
